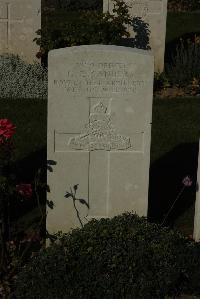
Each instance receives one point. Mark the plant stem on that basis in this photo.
(37, 196)
(77, 212)
(173, 205)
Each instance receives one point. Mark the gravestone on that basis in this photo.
(153, 12)
(196, 233)
(99, 127)
(19, 20)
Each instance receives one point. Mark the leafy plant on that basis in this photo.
(160, 81)
(72, 195)
(15, 247)
(7, 129)
(122, 257)
(74, 4)
(93, 27)
(186, 64)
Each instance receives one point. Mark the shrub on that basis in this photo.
(21, 80)
(183, 5)
(122, 257)
(185, 65)
(92, 27)
(160, 81)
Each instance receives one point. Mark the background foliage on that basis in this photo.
(72, 28)
(183, 5)
(74, 4)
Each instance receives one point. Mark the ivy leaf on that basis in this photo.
(84, 202)
(50, 204)
(50, 168)
(51, 162)
(47, 188)
(67, 195)
(50, 236)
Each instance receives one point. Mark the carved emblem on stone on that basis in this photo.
(99, 133)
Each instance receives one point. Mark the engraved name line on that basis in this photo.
(68, 83)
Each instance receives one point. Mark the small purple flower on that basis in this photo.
(187, 182)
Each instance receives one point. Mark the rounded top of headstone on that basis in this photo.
(99, 47)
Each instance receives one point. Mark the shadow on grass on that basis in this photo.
(165, 183)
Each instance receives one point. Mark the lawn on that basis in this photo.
(180, 23)
(174, 155)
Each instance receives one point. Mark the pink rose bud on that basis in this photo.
(7, 129)
(187, 181)
(24, 190)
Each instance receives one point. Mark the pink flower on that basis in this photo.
(190, 237)
(31, 236)
(187, 181)
(7, 129)
(24, 190)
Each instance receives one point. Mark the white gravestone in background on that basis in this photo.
(196, 232)
(19, 19)
(99, 127)
(153, 12)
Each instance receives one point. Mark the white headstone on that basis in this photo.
(19, 20)
(99, 132)
(153, 12)
(196, 233)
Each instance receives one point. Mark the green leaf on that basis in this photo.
(84, 202)
(67, 195)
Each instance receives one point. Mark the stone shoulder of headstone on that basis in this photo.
(98, 47)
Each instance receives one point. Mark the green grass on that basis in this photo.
(180, 23)
(175, 121)
(175, 131)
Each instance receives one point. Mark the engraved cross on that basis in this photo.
(99, 141)
(9, 21)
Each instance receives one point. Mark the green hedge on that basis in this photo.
(122, 257)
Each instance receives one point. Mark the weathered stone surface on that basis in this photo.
(196, 233)
(99, 127)
(153, 12)
(19, 20)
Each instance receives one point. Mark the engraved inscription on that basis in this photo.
(99, 133)
(141, 8)
(100, 77)
(144, 8)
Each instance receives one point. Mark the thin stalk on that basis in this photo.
(173, 205)
(77, 212)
